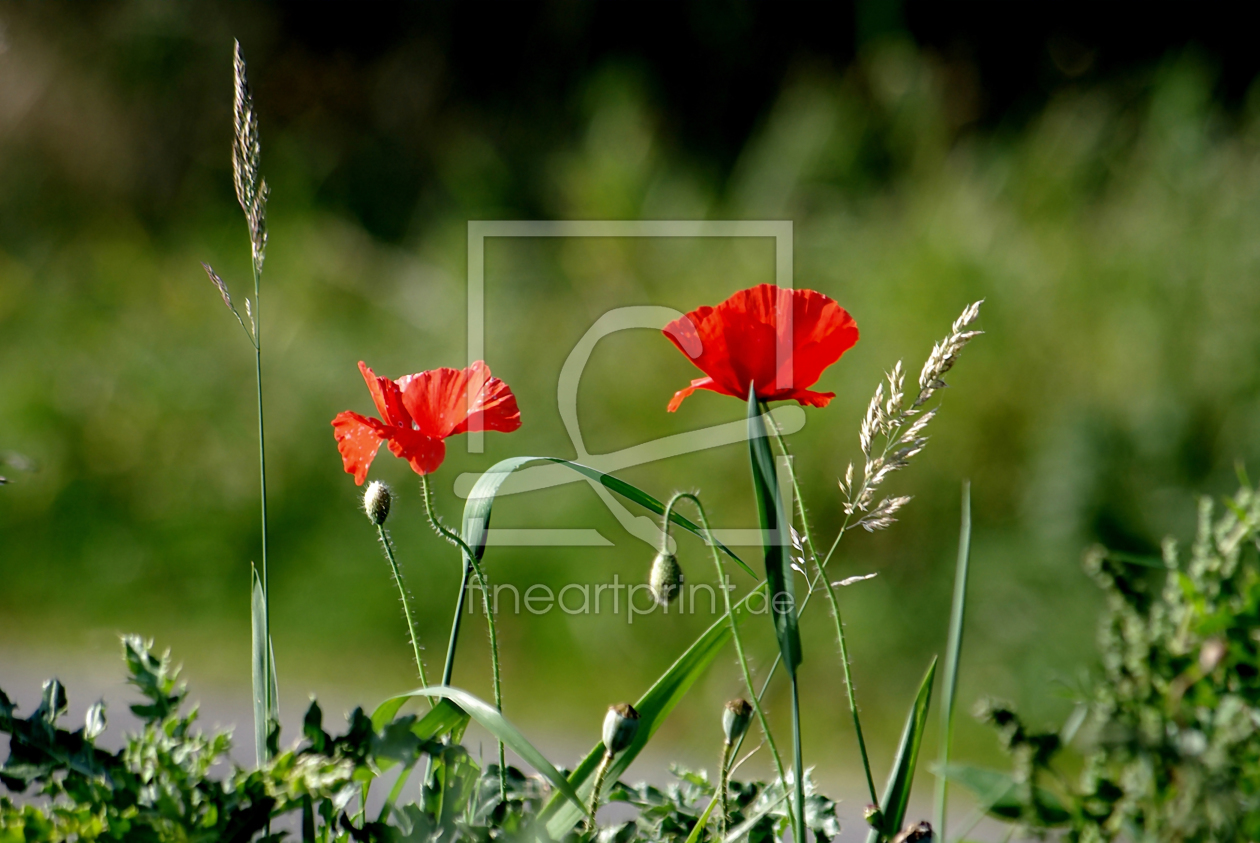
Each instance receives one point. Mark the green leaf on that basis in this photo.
(653, 707)
(998, 795)
(897, 791)
(775, 526)
(499, 726)
(957, 615)
(263, 657)
(481, 501)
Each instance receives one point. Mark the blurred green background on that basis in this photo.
(1094, 178)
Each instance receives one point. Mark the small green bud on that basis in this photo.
(873, 816)
(735, 719)
(620, 724)
(666, 579)
(376, 501)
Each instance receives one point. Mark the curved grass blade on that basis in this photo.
(901, 779)
(653, 707)
(499, 726)
(956, 616)
(264, 669)
(698, 829)
(442, 718)
(775, 526)
(481, 501)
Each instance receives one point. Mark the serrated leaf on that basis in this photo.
(499, 726)
(901, 779)
(481, 501)
(775, 527)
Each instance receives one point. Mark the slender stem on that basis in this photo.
(723, 784)
(455, 623)
(600, 774)
(269, 704)
(406, 602)
(797, 771)
(956, 618)
(472, 564)
(835, 609)
(739, 645)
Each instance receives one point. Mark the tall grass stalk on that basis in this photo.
(471, 565)
(251, 194)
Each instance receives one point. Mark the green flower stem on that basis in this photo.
(471, 564)
(406, 601)
(723, 784)
(739, 645)
(600, 774)
(835, 606)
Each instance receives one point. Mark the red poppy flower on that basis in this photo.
(737, 343)
(419, 411)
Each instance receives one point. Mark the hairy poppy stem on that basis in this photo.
(739, 644)
(471, 565)
(406, 601)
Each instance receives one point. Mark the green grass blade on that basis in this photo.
(442, 718)
(481, 501)
(262, 659)
(653, 707)
(499, 726)
(897, 791)
(775, 525)
(694, 837)
(957, 615)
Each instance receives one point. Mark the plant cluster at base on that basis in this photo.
(1168, 736)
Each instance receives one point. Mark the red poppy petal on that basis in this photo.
(740, 341)
(822, 331)
(387, 397)
(438, 400)
(493, 405)
(700, 336)
(698, 383)
(423, 452)
(807, 397)
(358, 439)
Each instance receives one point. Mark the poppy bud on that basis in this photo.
(735, 719)
(376, 501)
(666, 579)
(620, 724)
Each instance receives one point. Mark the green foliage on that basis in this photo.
(169, 783)
(758, 810)
(1169, 731)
